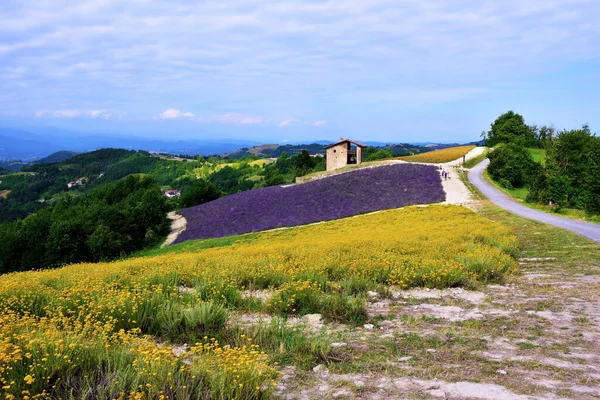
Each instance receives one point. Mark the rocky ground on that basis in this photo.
(537, 337)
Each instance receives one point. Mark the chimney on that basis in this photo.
(341, 138)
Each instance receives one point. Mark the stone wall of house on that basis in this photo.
(359, 155)
(337, 156)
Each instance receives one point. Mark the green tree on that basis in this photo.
(510, 127)
(545, 136)
(199, 192)
(273, 177)
(571, 177)
(511, 165)
(303, 163)
(104, 244)
(109, 221)
(373, 153)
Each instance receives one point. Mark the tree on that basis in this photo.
(511, 165)
(105, 244)
(545, 136)
(571, 177)
(373, 153)
(109, 221)
(303, 163)
(199, 192)
(273, 177)
(510, 127)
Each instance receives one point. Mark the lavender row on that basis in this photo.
(362, 191)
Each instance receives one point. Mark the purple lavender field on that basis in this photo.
(338, 196)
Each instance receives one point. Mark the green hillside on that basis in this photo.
(58, 157)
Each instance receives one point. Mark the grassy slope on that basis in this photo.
(323, 268)
(476, 160)
(456, 344)
(539, 240)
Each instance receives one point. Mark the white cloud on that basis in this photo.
(286, 122)
(321, 122)
(172, 113)
(71, 113)
(236, 118)
(66, 113)
(282, 56)
(99, 114)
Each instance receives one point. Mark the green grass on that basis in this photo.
(476, 160)
(193, 246)
(539, 155)
(537, 239)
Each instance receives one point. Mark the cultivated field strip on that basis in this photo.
(339, 196)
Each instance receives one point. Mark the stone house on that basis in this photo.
(172, 193)
(345, 152)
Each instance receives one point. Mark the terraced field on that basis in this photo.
(339, 196)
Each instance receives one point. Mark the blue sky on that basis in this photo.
(388, 70)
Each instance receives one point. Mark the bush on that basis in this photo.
(511, 165)
(571, 174)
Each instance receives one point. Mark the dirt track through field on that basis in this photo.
(178, 225)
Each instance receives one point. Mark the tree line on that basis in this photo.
(108, 222)
(570, 176)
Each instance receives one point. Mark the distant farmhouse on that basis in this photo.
(345, 152)
(172, 193)
(78, 182)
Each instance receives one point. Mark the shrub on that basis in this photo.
(512, 164)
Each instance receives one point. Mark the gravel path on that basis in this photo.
(177, 226)
(586, 229)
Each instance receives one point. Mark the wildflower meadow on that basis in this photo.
(160, 327)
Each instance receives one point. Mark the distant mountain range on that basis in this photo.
(25, 145)
(35, 143)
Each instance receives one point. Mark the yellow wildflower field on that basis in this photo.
(110, 330)
(439, 156)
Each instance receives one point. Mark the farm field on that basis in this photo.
(339, 196)
(187, 323)
(439, 156)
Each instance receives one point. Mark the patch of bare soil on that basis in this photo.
(535, 337)
(4, 193)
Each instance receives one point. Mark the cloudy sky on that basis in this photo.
(389, 70)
